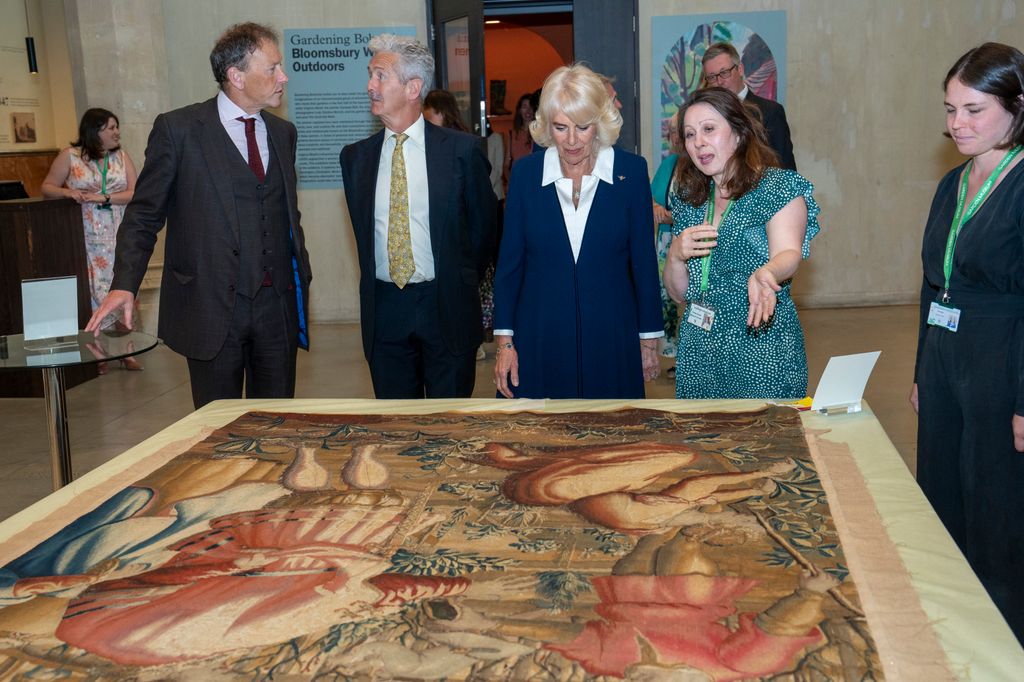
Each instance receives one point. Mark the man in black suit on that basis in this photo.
(723, 68)
(221, 173)
(424, 213)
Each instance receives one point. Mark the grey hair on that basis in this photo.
(579, 93)
(414, 59)
(720, 48)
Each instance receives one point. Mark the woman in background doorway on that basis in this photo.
(520, 141)
(441, 109)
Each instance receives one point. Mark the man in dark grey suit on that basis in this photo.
(424, 214)
(723, 68)
(221, 173)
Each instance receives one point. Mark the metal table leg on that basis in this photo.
(57, 420)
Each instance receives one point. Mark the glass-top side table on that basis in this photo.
(52, 357)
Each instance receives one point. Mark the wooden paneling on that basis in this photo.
(29, 167)
(40, 238)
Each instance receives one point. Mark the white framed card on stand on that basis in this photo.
(842, 384)
(49, 309)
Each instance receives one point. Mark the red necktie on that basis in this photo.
(255, 161)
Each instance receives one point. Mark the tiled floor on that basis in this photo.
(114, 412)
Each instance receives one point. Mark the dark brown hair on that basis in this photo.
(236, 45)
(743, 171)
(443, 102)
(518, 124)
(998, 70)
(93, 121)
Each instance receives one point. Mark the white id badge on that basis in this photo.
(701, 316)
(943, 316)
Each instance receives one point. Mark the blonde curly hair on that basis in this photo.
(579, 93)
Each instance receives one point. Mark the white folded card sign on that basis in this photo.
(49, 308)
(842, 383)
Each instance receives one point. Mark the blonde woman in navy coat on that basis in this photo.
(577, 310)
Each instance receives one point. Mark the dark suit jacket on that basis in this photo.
(186, 181)
(774, 118)
(463, 215)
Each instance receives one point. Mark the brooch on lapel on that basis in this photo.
(622, 177)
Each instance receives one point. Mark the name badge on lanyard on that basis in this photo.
(700, 314)
(945, 316)
(941, 313)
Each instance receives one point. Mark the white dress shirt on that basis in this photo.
(576, 216)
(415, 153)
(229, 113)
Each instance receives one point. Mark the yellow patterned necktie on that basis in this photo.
(400, 261)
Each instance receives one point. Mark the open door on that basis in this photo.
(457, 30)
(597, 25)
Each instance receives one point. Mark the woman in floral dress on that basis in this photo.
(100, 176)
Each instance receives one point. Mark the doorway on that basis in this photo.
(520, 50)
(527, 41)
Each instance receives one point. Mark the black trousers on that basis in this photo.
(258, 353)
(966, 462)
(410, 358)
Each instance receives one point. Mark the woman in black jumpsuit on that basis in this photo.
(969, 378)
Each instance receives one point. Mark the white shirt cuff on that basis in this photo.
(504, 332)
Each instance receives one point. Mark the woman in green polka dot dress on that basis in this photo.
(742, 225)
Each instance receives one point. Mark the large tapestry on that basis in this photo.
(635, 544)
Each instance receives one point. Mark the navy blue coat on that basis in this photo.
(577, 324)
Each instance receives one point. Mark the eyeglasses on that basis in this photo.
(722, 75)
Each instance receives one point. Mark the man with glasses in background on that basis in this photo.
(722, 68)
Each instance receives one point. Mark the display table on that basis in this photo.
(85, 349)
(851, 451)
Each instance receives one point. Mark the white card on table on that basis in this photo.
(49, 307)
(841, 386)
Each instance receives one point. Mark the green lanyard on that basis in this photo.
(106, 163)
(705, 261)
(961, 216)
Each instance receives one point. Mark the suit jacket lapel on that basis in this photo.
(440, 159)
(554, 207)
(212, 140)
(369, 165)
(595, 219)
(281, 154)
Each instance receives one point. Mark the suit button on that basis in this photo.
(265, 252)
(235, 252)
(231, 287)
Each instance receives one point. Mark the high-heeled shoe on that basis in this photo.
(131, 364)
